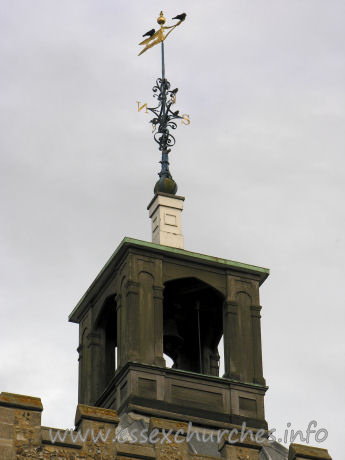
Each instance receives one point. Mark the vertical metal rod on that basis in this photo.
(164, 86)
(199, 335)
(164, 161)
(163, 63)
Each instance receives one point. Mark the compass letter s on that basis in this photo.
(185, 119)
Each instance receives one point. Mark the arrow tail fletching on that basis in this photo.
(150, 45)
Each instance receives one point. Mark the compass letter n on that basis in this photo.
(144, 106)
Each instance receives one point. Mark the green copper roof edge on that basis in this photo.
(126, 239)
(198, 255)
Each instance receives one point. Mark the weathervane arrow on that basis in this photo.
(164, 116)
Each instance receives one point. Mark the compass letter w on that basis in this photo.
(144, 106)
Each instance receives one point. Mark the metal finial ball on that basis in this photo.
(166, 185)
(161, 19)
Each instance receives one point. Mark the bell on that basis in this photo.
(172, 341)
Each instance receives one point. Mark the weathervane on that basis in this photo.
(165, 117)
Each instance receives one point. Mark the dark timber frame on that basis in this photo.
(143, 302)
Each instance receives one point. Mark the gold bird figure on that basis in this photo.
(156, 38)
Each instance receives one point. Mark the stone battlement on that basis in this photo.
(22, 436)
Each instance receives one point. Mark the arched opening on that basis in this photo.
(107, 326)
(192, 325)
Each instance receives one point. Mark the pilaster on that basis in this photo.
(257, 349)
(232, 361)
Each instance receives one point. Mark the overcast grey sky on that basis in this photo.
(261, 167)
